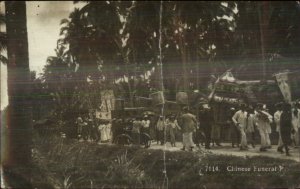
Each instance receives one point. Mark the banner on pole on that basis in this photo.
(282, 81)
(107, 104)
(289, 84)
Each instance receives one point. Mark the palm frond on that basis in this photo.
(63, 30)
(64, 21)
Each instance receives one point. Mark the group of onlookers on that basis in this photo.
(93, 129)
(168, 127)
(139, 125)
(286, 118)
(243, 123)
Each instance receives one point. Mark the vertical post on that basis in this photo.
(197, 72)
(18, 149)
(263, 22)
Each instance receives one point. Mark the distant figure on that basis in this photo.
(250, 127)
(296, 125)
(286, 128)
(145, 125)
(145, 132)
(218, 117)
(172, 128)
(277, 115)
(117, 128)
(206, 119)
(85, 129)
(160, 126)
(105, 130)
(80, 125)
(263, 120)
(234, 131)
(188, 124)
(136, 129)
(269, 129)
(240, 120)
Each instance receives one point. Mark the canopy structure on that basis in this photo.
(228, 89)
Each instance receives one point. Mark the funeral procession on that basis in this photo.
(150, 94)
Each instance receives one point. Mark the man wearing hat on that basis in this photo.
(188, 124)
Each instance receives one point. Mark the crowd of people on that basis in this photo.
(93, 129)
(246, 120)
(192, 130)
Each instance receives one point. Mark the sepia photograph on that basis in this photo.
(150, 94)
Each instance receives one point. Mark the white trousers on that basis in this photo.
(187, 140)
(280, 143)
(243, 138)
(264, 138)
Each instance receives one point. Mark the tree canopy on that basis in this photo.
(115, 43)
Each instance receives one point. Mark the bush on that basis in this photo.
(66, 163)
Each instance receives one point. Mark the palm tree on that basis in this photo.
(285, 26)
(281, 25)
(77, 38)
(114, 41)
(191, 30)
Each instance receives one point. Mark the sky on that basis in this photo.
(43, 26)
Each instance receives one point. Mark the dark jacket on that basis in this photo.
(286, 126)
(188, 123)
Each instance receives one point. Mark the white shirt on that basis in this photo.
(240, 117)
(277, 115)
(146, 123)
(250, 123)
(296, 120)
(263, 123)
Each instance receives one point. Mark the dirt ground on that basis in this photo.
(226, 149)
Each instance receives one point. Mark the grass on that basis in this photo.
(64, 163)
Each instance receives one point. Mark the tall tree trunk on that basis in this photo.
(197, 70)
(184, 63)
(17, 162)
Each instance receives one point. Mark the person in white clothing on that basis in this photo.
(277, 115)
(172, 126)
(250, 127)
(268, 124)
(240, 119)
(145, 125)
(263, 120)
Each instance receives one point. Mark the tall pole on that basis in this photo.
(263, 22)
(18, 150)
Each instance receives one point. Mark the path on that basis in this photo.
(226, 149)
